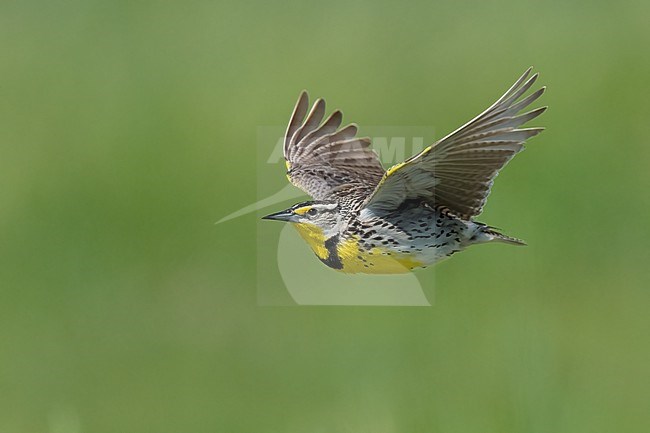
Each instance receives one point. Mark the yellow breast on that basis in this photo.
(374, 261)
(314, 236)
(345, 256)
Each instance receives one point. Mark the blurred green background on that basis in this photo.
(128, 128)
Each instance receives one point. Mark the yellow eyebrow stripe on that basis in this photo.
(302, 210)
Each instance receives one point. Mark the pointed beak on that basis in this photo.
(285, 215)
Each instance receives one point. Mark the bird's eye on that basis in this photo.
(312, 212)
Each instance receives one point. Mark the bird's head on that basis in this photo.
(316, 218)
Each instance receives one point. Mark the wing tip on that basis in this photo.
(536, 112)
(531, 81)
(352, 126)
(533, 131)
(303, 98)
(319, 104)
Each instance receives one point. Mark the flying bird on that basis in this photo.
(364, 219)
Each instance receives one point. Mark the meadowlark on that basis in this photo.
(416, 213)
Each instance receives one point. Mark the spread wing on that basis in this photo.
(322, 156)
(458, 170)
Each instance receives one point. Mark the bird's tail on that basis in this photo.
(500, 237)
(490, 234)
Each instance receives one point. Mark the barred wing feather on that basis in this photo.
(322, 156)
(458, 171)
